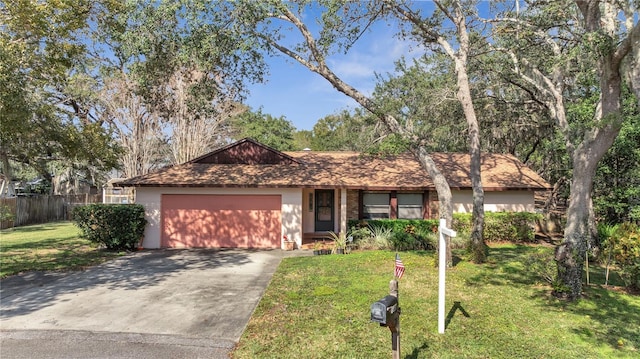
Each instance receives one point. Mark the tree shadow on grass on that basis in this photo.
(617, 315)
(34, 228)
(456, 258)
(505, 267)
(65, 258)
(44, 243)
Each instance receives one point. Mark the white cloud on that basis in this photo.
(354, 67)
(376, 52)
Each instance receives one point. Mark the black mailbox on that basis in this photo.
(382, 310)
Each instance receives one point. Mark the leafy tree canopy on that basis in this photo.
(276, 132)
(43, 114)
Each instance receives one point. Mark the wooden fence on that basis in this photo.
(23, 211)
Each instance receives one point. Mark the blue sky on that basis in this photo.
(304, 97)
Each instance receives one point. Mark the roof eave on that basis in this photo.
(327, 186)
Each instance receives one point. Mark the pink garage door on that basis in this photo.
(191, 221)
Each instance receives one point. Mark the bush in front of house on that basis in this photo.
(623, 247)
(515, 227)
(115, 226)
(399, 234)
(416, 234)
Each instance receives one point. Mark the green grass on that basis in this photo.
(318, 307)
(47, 247)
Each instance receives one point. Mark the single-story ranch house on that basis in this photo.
(249, 195)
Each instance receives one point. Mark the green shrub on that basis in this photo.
(5, 213)
(603, 249)
(427, 237)
(371, 237)
(416, 234)
(462, 223)
(542, 265)
(359, 233)
(515, 227)
(398, 234)
(381, 237)
(606, 230)
(624, 245)
(115, 226)
(403, 241)
(461, 240)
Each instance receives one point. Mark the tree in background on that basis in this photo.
(196, 123)
(617, 182)
(422, 96)
(44, 109)
(302, 139)
(135, 125)
(137, 128)
(345, 131)
(350, 130)
(276, 132)
(186, 64)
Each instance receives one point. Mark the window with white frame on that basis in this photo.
(410, 205)
(375, 205)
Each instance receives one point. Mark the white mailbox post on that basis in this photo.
(442, 248)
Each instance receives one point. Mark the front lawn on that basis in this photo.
(46, 247)
(318, 307)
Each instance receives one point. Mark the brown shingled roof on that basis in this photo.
(499, 172)
(345, 170)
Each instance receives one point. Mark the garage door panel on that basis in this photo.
(221, 221)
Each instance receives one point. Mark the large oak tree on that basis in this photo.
(45, 87)
(554, 48)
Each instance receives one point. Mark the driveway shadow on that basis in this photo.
(30, 292)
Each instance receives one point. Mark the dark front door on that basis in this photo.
(324, 210)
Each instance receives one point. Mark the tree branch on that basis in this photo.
(627, 44)
(306, 34)
(557, 50)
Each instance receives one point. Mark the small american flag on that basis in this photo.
(399, 270)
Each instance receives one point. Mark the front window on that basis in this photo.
(375, 205)
(410, 205)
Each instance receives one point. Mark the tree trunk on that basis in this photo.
(444, 194)
(570, 255)
(478, 247)
(571, 252)
(595, 143)
(8, 174)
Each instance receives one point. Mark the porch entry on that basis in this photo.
(324, 214)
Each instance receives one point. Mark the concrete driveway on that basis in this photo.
(159, 302)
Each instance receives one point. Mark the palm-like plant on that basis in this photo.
(381, 236)
(339, 239)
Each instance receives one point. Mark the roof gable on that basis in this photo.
(245, 152)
